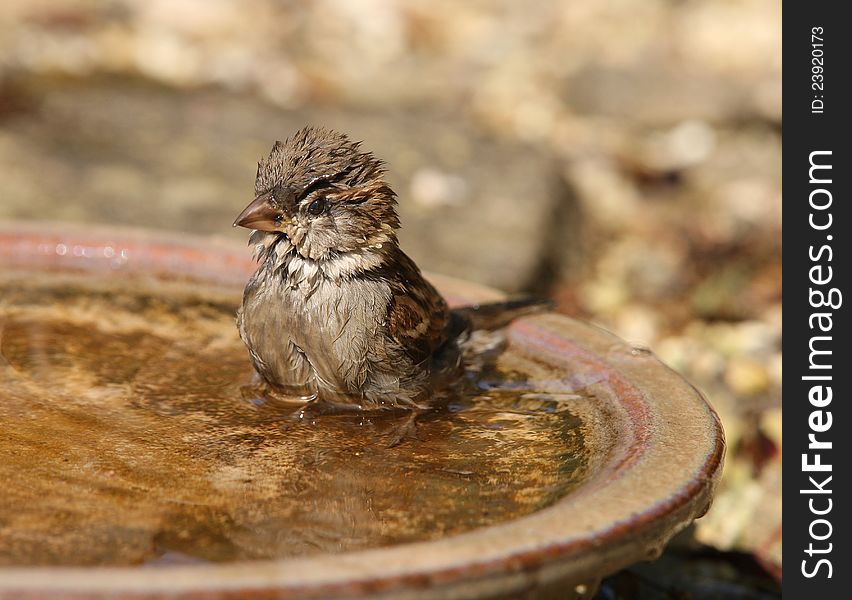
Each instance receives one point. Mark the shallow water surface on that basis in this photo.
(130, 434)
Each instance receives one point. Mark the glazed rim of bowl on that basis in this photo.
(658, 477)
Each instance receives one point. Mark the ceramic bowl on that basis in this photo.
(655, 456)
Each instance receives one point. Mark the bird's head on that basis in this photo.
(324, 194)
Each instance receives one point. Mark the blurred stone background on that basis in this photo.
(621, 156)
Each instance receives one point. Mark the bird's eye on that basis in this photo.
(317, 206)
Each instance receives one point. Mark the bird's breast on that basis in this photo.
(338, 326)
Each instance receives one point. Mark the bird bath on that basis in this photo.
(139, 462)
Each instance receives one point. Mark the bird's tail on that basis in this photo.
(495, 315)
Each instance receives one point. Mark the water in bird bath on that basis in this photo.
(128, 435)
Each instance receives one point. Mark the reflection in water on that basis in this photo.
(127, 436)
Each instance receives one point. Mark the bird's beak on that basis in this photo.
(263, 215)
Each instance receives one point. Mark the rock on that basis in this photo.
(132, 153)
(747, 377)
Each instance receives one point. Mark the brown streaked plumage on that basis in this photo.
(336, 310)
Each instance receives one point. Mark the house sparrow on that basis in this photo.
(336, 311)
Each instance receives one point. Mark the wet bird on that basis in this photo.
(336, 311)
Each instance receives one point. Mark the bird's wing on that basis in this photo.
(417, 314)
